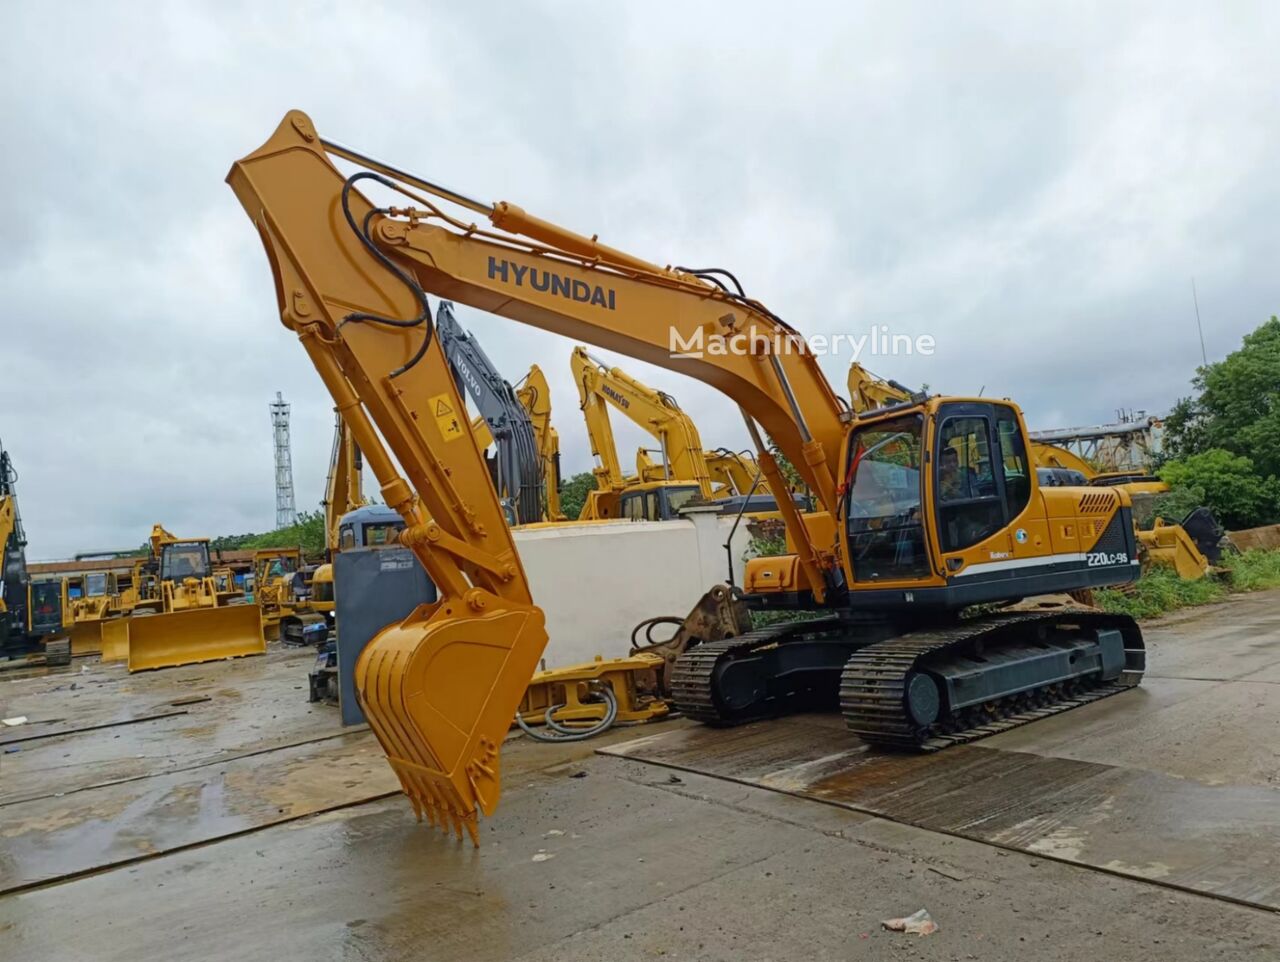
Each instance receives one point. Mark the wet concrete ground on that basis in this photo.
(249, 826)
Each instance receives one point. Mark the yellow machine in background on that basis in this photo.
(98, 601)
(892, 555)
(191, 624)
(535, 396)
(683, 473)
(273, 585)
(31, 612)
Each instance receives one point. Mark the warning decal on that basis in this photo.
(446, 420)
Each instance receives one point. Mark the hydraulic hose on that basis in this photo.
(566, 734)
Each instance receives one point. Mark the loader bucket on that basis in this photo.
(439, 691)
(115, 639)
(194, 635)
(86, 638)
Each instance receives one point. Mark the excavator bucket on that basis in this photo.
(440, 690)
(1170, 546)
(194, 635)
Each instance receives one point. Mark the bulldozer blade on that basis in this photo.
(194, 635)
(86, 638)
(439, 691)
(115, 639)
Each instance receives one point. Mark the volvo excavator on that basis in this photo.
(925, 508)
(534, 395)
(31, 612)
(517, 467)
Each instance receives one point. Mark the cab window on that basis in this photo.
(347, 537)
(632, 507)
(380, 534)
(970, 508)
(885, 528)
(1013, 457)
(677, 498)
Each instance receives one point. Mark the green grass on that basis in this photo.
(1253, 570)
(1160, 591)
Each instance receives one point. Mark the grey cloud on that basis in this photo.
(1033, 186)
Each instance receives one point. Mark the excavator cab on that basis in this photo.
(656, 502)
(943, 507)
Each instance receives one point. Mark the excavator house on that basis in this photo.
(924, 509)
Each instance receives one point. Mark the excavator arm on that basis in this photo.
(344, 488)
(535, 396)
(519, 480)
(653, 411)
(352, 279)
(13, 561)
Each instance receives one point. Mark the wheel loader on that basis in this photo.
(926, 509)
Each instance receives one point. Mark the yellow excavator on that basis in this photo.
(310, 621)
(683, 474)
(925, 509)
(534, 395)
(191, 621)
(31, 612)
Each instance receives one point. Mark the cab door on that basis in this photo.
(981, 483)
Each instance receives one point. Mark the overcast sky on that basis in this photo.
(1032, 185)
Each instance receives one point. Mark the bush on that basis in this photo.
(573, 493)
(1229, 484)
(1157, 592)
(1253, 570)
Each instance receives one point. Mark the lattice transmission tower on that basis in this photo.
(286, 510)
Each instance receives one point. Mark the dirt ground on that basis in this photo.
(210, 812)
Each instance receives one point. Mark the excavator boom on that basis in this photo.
(601, 385)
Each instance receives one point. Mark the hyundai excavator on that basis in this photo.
(925, 508)
(534, 395)
(31, 612)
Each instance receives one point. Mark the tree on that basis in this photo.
(573, 493)
(307, 534)
(1237, 405)
(1228, 484)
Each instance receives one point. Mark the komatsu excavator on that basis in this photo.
(925, 508)
(683, 470)
(31, 612)
(534, 395)
(193, 621)
(684, 474)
